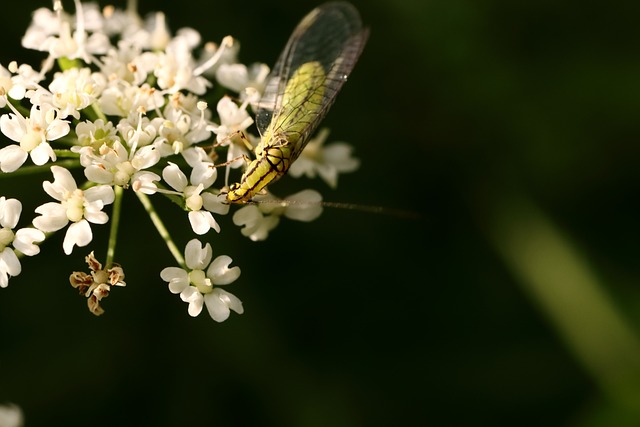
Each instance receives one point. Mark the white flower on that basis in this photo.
(138, 131)
(11, 415)
(325, 161)
(10, 85)
(22, 240)
(213, 56)
(255, 224)
(116, 166)
(233, 119)
(76, 206)
(127, 63)
(185, 123)
(25, 80)
(93, 135)
(51, 31)
(196, 286)
(71, 91)
(257, 220)
(172, 134)
(33, 134)
(175, 67)
(199, 204)
(122, 98)
(238, 77)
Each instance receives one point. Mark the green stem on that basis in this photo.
(99, 112)
(65, 154)
(162, 230)
(65, 63)
(32, 170)
(24, 111)
(557, 277)
(115, 224)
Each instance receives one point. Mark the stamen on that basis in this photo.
(227, 42)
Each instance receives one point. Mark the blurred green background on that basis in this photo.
(512, 127)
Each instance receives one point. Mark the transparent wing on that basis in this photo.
(332, 35)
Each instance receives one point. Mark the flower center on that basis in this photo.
(199, 279)
(6, 237)
(75, 206)
(100, 276)
(193, 200)
(123, 174)
(31, 139)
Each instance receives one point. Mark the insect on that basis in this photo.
(301, 88)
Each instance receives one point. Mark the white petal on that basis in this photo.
(57, 129)
(9, 262)
(42, 153)
(260, 230)
(307, 207)
(11, 415)
(191, 295)
(62, 184)
(215, 204)
(338, 154)
(195, 155)
(144, 182)
(10, 210)
(232, 76)
(202, 222)
(247, 215)
(79, 233)
(178, 279)
(220, 273)
(25, 238)
(329, 174)
(171, 273)
(218, 310)
(13, 127)
(219, 302)
(53, 217)
(11, 158)
(96, 217)
(103, 193)
(197, 257)
(177, 286)
(146, 157)
(174, 177)
(303, 166)
(203, 173)
(98, 174)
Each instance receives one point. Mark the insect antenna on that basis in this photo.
(399, 213)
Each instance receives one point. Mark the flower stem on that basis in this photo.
(115, 223)
(560, 280)
(162, 230)
(98, 112)
(62, 153)
(32, 170)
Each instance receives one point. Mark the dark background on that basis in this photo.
(512, 127)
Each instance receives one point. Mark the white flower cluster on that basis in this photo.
(121, 99)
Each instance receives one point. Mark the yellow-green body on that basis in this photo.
(300, 89)
(287, 134)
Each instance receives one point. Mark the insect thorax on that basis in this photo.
(277, 150)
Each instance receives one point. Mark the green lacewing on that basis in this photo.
(301, 88)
